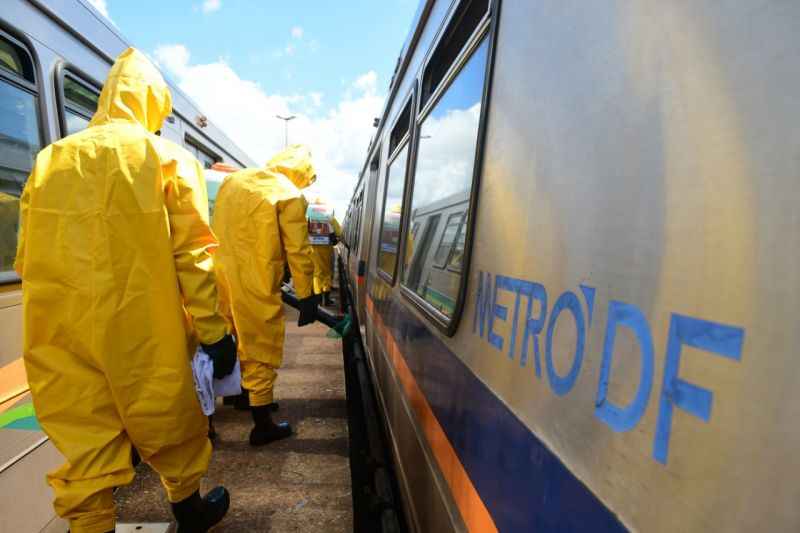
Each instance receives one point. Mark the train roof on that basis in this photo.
(417, 25)
(96, 32)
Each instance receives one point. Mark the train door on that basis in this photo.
(367, 209)
(354, 235)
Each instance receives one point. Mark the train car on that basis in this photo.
(53, 58)
(615, 348)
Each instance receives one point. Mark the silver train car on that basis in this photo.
(54, 55)
(615, 345)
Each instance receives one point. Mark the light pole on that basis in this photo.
(286, 128)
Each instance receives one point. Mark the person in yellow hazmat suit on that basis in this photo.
(114, 252)
(323, 254)
(259, 218)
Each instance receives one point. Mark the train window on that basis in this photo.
(20, 141)
(205, 156)
(444, 176)
(393, 193)
(16, 61)
(359, 206)
(401, 128)
(80, 103)
(392, 213)
(461, 27)
(354, 227)
(448, 239)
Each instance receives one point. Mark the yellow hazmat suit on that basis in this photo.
(323, 262)
(323, 257)
(114, 252)
(260, 220)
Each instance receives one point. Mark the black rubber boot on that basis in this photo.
(212, 432)
(265, 430)
(242, 402)
(198, 515)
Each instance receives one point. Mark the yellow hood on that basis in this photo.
(135, 91)
(295, 163)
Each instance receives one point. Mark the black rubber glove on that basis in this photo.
(308, 310)
(334, 239)
(223, 354)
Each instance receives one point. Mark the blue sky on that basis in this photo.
(243, 61)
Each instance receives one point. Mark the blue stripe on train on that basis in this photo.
(523, 484)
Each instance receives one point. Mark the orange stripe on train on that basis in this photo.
(473, 511)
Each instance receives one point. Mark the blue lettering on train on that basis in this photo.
(712, 337)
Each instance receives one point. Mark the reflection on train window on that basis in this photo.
(448, 239)
(443, 183)
(420, 247)
(80, 103)
(461, 27)
(392, 210)
(19, 144)
(457, 253)
(206, 157)
(414, 230)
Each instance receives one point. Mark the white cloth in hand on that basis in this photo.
(209, 388)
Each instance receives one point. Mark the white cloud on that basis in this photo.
(174, 58)
(338, 136)
(101, 6)
(209, 6)
(446, 154)
(297, 32)
(367, 82)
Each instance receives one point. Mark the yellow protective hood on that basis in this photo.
(295, 163)
(135, 91)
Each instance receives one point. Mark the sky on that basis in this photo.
(244, 61)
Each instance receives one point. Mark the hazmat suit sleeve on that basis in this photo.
(193, 244)
(294, 235)
(337, 229)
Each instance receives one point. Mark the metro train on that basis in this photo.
(573, 252)
(53, 59)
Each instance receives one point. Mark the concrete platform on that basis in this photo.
(301, 484)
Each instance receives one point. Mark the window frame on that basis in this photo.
(190, 141)
(18, 81)
(486, 29)
(402, 144)
(36, 89)
(64, 70)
